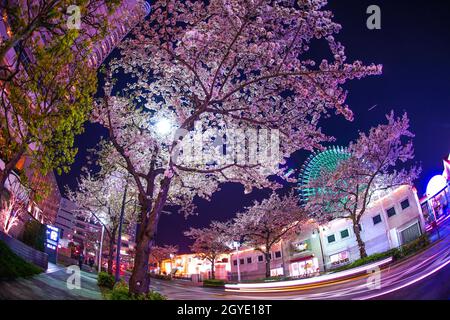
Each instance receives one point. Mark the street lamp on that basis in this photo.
(235, 245)
(321, 248)
(163, 126)
(101, 250)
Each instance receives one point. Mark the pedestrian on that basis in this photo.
(80, 260)
(91, 262)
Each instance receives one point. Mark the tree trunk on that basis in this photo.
(111, 252)
(361, 244)
(267, 255)
(213, 271)
(140, 280)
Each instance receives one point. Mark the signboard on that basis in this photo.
(51, 242)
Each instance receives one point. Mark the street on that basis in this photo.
(425, 275)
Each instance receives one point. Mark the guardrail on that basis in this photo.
(25, 252)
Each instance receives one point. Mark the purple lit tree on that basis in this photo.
(101, 197)
(160, 253)
(227, 69)
(265, 223)
(378, 163)
(210, 242)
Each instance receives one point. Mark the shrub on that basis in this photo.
(366, 260)
(34, 235)
(396, 253)
(213, 283)
(120, 292)
(12, 266)
(106, 280)
(413, 246)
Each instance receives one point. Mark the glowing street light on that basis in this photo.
(163, 126)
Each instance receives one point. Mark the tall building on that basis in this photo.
(121, 22)
(65, 221)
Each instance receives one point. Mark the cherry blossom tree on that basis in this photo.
(219, 91)
(13, 206)
(265, 223)
(210, 242)
(101, 196)
(378, 162)
(160, 253)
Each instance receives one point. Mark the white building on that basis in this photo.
(390, 222)
(252, 264)
(65, 220)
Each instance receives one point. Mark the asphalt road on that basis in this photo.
(425, 275)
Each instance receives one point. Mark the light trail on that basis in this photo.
(313, 282)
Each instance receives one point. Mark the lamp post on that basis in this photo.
(101, 250)
(321, 249)
(236, 246)
(119, 237)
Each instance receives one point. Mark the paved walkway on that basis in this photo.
(51, 285)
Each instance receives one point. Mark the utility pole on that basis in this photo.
(101, 250)
(238, 262)
(119, 237)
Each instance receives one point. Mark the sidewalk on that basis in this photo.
(50, 286)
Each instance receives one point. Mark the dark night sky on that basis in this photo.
(413, 46)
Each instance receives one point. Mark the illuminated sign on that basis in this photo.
(52, 238)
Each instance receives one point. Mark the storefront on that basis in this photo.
(307, 266)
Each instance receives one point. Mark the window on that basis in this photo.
(376, 219)
(277, 254)
(411, 233)
(344, 234)
(391, 212)
(405, 204)
(331, 238)
(249, 260)
(234, 262)
(241, 261)
(260, 258)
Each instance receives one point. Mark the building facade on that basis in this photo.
(390, 222)
(251, 263)
(193, 267)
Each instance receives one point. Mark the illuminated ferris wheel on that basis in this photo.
(327, 159)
